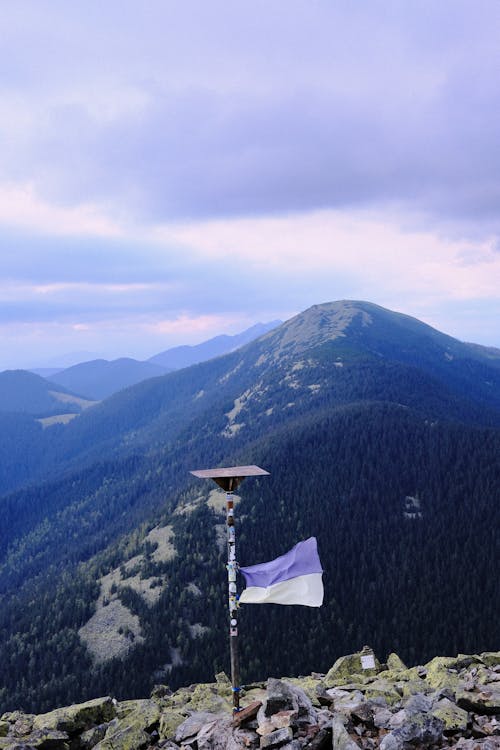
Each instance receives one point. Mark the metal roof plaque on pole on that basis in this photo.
(229, 480)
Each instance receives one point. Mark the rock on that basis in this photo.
(217, 735)
(224, 686)
(454, 718)
(159, 692)
(491, 658)
(322, 740)
(246, 714)
(202, 698)
(280, 697)
(345, 701)
(417, 728)
(169, 723)
(283, 696)
(144, 713)
(340, 737)
(382, 717)
(381, 688)
(346, 666)
(46, 739)
(395, 663)
(130, 729)
(91, 737)
(277, 738)
(485, 700)
(312, 686)
(4, 728)
(192, 725)
(77, 718)
(131, 737)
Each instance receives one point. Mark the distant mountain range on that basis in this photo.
(26, 393)
(382, 439)
(99, 378)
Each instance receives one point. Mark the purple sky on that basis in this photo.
(173, 170)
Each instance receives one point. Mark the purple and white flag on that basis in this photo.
(293, 578)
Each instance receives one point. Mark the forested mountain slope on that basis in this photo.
(382, 439)
(100, 378)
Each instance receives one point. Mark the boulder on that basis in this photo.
(491, 658)
(484, 700)
(203, 698)
(119, 737)
(75, 719)
(217, 735)
(347, 666)
(144, 713)
(395, 663)
(169, 723)
(279, 697)
(454, 718)
(278, 737)
(4, 728)
(381, 688)
(190, 727)
(420, 729)
(283, 696)
(91, 737)
(340, 737)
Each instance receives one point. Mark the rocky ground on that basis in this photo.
(451, 702)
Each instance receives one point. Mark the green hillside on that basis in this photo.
(388, 453)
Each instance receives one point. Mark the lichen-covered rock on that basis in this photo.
(383, 689)
(453, 717)
(483, 700)
(169, 722)
(443, 672)
(130, 729)
(347, 666)
(313, 687)
(77, 718)
(395, 663)
(4, 728)
(91, 737)
(119, 737)
(491, 658)
(44, 739)
(340, 737)
(203, 697)
(144, 713)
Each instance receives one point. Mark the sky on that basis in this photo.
(172, 170)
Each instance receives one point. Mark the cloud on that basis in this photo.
(258, 109)
(180, 169)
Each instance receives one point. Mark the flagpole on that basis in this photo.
(229, 479)
(232, 567)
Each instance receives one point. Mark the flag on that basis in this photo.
(293, 578)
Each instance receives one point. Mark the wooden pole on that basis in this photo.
(232, 567)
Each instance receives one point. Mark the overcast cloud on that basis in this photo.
(173, 170)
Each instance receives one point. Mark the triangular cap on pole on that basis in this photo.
(229, 478)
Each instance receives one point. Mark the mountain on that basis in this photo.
(382, 439)
(26, 393)
(184, 356)
(101, 378)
